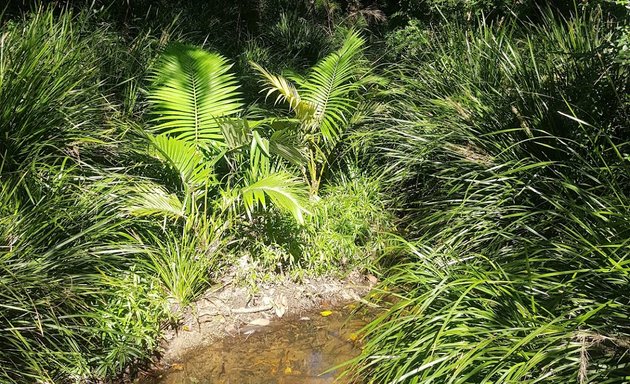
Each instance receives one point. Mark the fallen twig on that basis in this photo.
(261, 308)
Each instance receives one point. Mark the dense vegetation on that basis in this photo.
(474, 153)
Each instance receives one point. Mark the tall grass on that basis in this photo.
(74, 304)
(504, 148)
(510, 149)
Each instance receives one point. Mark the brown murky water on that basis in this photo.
(293, 350)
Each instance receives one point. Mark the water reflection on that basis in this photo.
(294, 350)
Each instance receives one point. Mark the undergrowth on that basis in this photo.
(143, 155)
(348, 228)
(506, 147)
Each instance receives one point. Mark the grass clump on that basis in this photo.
(74, 306)
(509, 150)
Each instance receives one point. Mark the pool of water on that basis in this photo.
(291, 350)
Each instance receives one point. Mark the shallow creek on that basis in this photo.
(291, 350)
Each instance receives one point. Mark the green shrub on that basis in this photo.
(348, 228)
(49, 86)
(300, 40)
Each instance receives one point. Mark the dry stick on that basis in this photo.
(262, 308)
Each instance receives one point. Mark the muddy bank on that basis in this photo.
(295, 349)
(228, 312)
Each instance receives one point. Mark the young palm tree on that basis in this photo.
(323, 103)
(198, 123)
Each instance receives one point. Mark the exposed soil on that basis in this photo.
(227, 311)
(296, 349)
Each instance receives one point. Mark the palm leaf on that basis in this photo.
(191, 89)
(259, 156)
(283, 189)
(147, 200)
(286, 91)
(183, 157)
(329, 85)
(284, 143)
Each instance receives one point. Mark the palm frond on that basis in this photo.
(149, 200)
(183, 157)
(191, 89)
(329, 85)
(284, 143)
(283, 189)
(286, 91)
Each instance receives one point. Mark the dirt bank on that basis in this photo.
(228, 310)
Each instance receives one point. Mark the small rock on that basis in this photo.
(261, 322)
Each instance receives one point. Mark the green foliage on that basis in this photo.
(192, 90)
(408, 41)
(501, 141)
(297, 39)
(49, 87)
(467, 10)
(73, 305)
(127, 323)
(324, 103)
(282, 188)
(348, 228)
(194, 99)
(182, 262)
(507, 159)
(69, 309)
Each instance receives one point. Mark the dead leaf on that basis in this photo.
(288, 371)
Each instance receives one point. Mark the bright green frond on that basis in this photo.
(148, 200)
(283, 189)
(286, 91)
(329, 85)
(191, 89)
(259, 156)
(184, 157)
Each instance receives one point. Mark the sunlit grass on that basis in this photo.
(508, 145)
